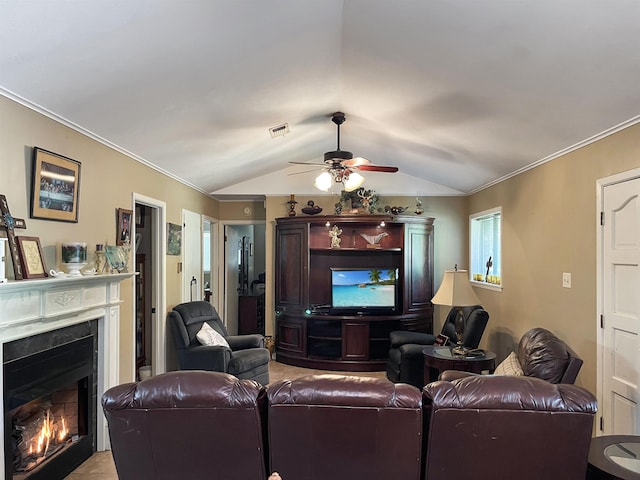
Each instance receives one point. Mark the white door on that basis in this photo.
(621, 308)
(192, 289)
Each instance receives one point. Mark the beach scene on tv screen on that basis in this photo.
(363, 288)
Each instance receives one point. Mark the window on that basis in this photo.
(484, 248)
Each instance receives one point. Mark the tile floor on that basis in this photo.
(101, 467)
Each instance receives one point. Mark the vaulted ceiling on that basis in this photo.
(458, 94)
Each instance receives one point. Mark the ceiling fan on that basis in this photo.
(340, 165)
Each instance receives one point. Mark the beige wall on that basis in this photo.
(450, 236)
(549, 226)
(107, 181)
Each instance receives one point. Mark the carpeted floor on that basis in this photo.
(101, 467)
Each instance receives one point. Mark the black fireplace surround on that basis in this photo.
(37, 366)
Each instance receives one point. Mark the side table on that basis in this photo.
(438, 359)
(614, 457)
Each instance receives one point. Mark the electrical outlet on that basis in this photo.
(566, 280)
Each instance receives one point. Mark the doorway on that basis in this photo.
(243, 253)
(618, 283)
(149, 246)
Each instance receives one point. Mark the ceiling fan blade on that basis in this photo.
(304, 171)
(355, 162)
(377, 168)
(308, 163)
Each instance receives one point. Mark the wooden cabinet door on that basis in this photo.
(355, 341)
(292, 267)
(418, 268)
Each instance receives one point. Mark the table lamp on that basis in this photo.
(456, 291)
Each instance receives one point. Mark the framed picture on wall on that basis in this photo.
(174, 239)
(123, 232)
(55, 187)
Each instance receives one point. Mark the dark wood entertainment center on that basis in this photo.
(311, 334)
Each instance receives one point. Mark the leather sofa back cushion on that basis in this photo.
(543, 355)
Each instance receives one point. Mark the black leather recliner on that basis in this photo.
(406, 362)
(246, 358)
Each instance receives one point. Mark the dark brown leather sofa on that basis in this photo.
(497, 427)
(200, 425)
(187, 425)
(344, 428)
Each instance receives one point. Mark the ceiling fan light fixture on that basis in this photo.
(323, 181)
(353, 181)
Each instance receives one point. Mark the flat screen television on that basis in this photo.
(368, 291)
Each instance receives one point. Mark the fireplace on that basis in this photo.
(49, 410)
(59, 344)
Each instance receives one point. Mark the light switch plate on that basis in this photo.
(566, 280)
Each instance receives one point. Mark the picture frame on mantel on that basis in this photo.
(55, 187)
(31, 257)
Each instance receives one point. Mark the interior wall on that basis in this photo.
(107, 180)
(549, 226)
(450, 237)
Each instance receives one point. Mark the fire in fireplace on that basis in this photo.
(43, 427)
(49, 395)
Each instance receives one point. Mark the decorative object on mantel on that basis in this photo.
(31, 257)
(116, 258)
(100, 263)
(419, 210)
(9, 223)
(74, 257)
(311, 208)
(3, 278)
(373, 241)
(123, 232)
(55, 187)
(292, 205)
(334, 235)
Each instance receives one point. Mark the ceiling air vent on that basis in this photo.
(279, 131)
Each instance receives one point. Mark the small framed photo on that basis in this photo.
(123, 232)
(31, 257)
(441, 340)
(55, 187)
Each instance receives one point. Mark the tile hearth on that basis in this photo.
(101, 467)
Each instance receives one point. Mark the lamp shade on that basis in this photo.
(455, 290)
(353, 182)
(323, 181)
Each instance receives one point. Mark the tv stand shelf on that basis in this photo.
(308, 332)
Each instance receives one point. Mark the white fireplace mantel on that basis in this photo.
(31, 307)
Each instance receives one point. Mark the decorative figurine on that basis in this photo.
(419, 210)
(334, 234)
(292, 205)
(311, 208)
(373, 241)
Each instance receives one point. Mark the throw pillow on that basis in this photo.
(509, 366)
(209, 337)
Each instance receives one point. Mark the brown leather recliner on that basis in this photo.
(189, 425)
(487, 427)
(542, 355)
(344, 428)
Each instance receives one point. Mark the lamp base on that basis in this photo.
(459, 350)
